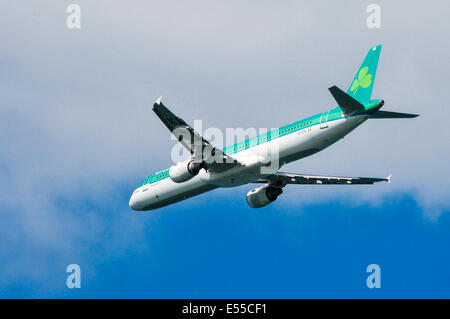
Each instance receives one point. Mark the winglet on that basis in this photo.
(389, 178)
(158, 101)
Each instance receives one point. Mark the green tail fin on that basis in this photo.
(362, 85)
(392, 115)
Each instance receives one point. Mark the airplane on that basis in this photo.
(244, 162)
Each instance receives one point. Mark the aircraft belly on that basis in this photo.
(306, 143)
(168, 192)
(247, 171)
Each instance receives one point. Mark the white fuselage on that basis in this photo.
(291, 147)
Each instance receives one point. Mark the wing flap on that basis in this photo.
(282, 179)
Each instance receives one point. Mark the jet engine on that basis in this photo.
(184, 171)
(263, 196)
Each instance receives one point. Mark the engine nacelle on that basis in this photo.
(184, 171)
(263, 196)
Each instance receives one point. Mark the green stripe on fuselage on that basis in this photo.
(334, 114)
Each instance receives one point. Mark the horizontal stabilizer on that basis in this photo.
(348, 104)
(392, 115)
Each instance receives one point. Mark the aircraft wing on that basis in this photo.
(203, 152)
(281, 179)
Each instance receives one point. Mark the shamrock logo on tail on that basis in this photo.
(364, 80)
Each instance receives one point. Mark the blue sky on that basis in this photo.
(213, 248)
(78, 135)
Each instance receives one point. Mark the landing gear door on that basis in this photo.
(324, 120)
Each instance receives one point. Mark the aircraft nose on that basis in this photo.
(133, 203)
